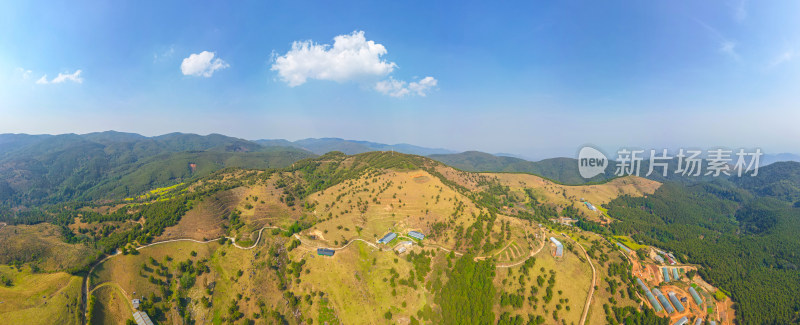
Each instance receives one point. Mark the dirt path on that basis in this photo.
(86, 292)
(591, 288)
(529, 255)
(335, 248)
(116, 286)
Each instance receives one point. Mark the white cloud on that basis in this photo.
(421, 87)
(24, 74)
(351, 57)
(399, 88)
(729, 48)
(392, 87)
(160, 56)
(784, 57)
(74, 77)
(202, 64)
(726, 46)
(740, 11)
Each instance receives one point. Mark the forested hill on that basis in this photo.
(565, 170)
(561, 170)
(743, 231)
(37, 169)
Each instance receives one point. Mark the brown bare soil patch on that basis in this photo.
(205, 220)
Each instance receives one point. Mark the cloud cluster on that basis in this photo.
(74, 77)
(399, 88)
(202, 64)
(351, 58)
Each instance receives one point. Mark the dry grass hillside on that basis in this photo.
(43, 245)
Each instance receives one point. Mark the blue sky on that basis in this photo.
(536, 79)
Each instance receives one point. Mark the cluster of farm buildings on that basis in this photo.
(140, 317)
(386, 239)
(671, 303)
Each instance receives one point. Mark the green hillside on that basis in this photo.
(49, 169)
(562, 170)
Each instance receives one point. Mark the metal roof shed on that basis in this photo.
(649, 295)
(559, 246)
(325, 251)
(697, 299)
(141, 318)
(389, 237)
(663, 301)
(674, 299)
(682, 321)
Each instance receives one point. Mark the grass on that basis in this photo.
(627, 241)
(355, 287)
(573, 279)
(46, 298)
(602, 294)
(111, 306)
(403, 205)
(123, 272)
(597, 194)
(42, 244)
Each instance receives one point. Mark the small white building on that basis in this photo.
(559, 251)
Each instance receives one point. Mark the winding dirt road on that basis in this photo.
(594, 282)
(86, 279)
(86, 282)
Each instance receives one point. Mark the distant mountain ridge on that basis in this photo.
(321, 146)
(565, 170)
(562, 170)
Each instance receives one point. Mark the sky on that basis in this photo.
(535, 78)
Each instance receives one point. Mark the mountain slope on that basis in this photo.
(562, 170)
(40, 169)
